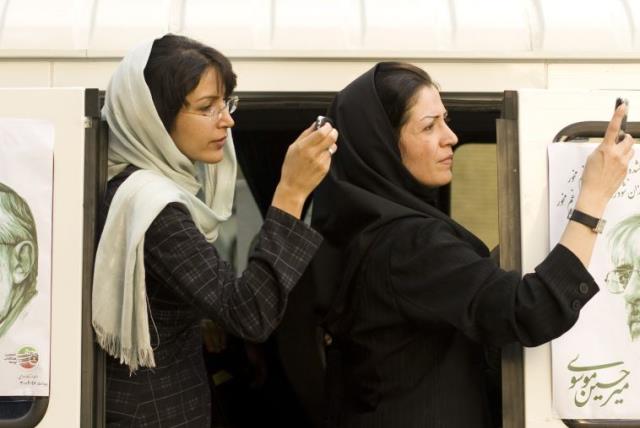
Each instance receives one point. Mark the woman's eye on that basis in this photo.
(430, 127)
(205, 108)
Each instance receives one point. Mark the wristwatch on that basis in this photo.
(595, 224)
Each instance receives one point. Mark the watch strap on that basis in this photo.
(593, 223)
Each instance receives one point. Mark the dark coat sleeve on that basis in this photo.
(436, 277)
(250, 306)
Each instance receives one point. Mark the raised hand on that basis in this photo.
(305, 165)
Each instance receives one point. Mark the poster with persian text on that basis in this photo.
(26, 196)
(596, 364)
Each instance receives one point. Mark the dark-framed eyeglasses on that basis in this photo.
(215, 112)
(618, 279)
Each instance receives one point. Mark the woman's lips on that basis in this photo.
(448, 160)
(220, 142)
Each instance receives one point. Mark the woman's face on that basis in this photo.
(426, 141)
(198, 136)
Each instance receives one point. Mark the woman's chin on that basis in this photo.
(435, 182)
(212, 157)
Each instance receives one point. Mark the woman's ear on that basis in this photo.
(22, 261)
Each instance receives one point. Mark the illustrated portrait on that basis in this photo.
(18, 256)
(624, 278)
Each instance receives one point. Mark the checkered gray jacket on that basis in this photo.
(186, 281)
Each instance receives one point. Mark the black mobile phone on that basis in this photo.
(321, 120)
(623, 124)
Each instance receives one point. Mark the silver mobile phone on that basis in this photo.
(623, 124)
(320, 121)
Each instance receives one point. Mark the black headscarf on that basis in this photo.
(367, 189)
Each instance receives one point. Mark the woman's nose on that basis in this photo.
(226, 121)
(450, 138)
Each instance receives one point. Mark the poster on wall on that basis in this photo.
(596, 364)
(26, 197)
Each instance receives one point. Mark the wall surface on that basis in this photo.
(300, 45)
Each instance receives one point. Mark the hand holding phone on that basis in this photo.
(320, 121)
(623, 124)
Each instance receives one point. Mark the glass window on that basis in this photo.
(14, 407)
(474, 191)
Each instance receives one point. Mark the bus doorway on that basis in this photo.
(266, 123)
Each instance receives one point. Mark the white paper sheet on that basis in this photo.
(26, 166)
(596, 365)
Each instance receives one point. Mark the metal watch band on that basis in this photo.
(593, 223)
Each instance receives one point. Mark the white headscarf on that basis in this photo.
(138, 137)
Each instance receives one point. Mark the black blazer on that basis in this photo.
(186, 280)
(422, 306)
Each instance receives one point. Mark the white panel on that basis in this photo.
(225, 25)
(634, 17)
(542, 114)
(65, 107)
(296, 75)
(486, 76)
(585, 26)
(335, 75)
(45, 25)
(119, 25)
(316, 25)
(594, 76)
(491, 29)
(403, 25)
(491, 25)
(83, 73)
(14, 74)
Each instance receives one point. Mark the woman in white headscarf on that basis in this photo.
(172, 170)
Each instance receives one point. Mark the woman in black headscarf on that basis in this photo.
(417, 294)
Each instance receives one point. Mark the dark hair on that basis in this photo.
(175, 66)
(397, 84)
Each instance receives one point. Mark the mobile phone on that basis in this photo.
(623, 124)
(320, 121)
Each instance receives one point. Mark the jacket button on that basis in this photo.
(576, 305)
(583, 287)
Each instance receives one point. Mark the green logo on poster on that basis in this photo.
(27, 357)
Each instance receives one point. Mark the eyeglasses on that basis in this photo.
(618, 279)
(215, 113)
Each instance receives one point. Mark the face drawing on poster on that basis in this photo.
(624, 278)
(18, 256)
